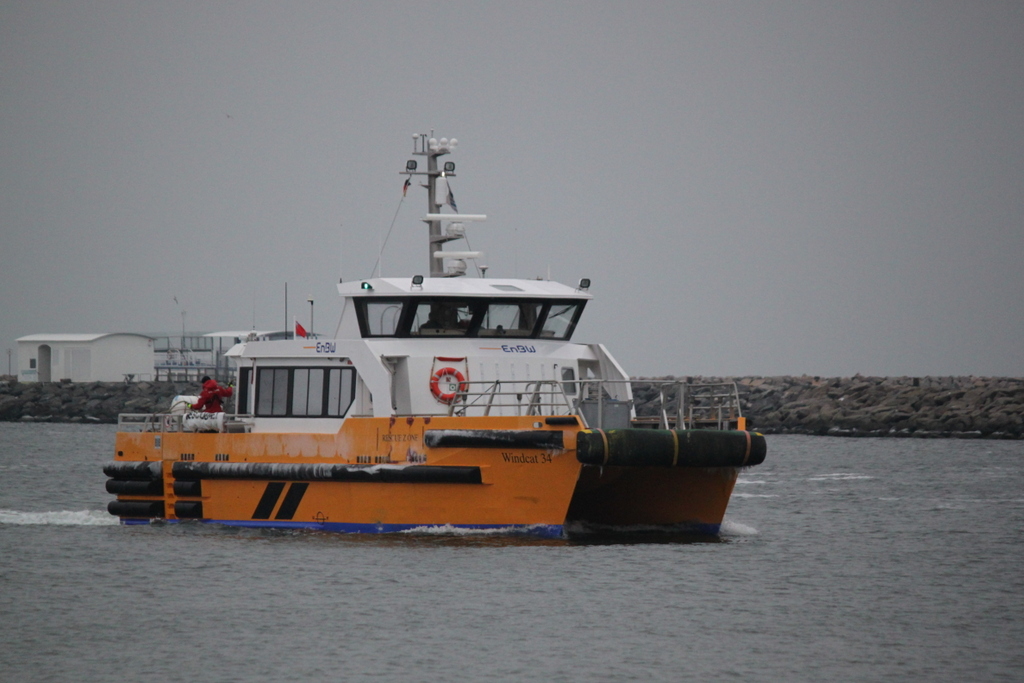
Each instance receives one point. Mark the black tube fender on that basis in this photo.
(670, 448)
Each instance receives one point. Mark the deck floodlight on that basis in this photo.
(449, 167)
(417, 280)
(585, 284)
(367, 286)
(410, 165)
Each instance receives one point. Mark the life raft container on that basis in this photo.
(446, 383)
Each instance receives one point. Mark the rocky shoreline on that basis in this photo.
(86, 402)
(921, 407)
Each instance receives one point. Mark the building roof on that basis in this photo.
(241, 334)
(71, 337)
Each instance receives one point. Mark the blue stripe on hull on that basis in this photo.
(538, 530)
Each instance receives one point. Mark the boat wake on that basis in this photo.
(839, 476)
(731, 528)
(58, 518)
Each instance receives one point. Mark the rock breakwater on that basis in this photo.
(923, 407)
(965, 407)
(86, 402)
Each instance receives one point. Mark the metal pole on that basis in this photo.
(436, 264)
(310, 318)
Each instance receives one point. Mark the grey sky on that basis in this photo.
(754, 188)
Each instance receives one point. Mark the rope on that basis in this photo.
(388, 236)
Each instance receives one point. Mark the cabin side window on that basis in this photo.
(341, 390)
(569, 381)
(308, 392)
(242, 397)
(272, 391)
(304, 392)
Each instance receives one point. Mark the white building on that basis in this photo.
(190, 356)
(114, 357)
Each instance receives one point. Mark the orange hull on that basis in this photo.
(394, 474)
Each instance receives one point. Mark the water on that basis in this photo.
(841, 559)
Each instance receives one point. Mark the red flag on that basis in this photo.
(405, 188)
(300, 331)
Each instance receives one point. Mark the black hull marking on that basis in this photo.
(266, 505)
(291, 501)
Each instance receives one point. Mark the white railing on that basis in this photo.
(544, 397)
(677, 404)
(713, 404)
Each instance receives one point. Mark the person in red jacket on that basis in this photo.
(210, 400)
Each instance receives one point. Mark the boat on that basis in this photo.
(442, 401)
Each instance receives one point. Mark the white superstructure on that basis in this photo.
(438, 345)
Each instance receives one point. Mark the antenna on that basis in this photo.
(432, 148)
(341, 251)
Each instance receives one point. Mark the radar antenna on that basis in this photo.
(432, 148)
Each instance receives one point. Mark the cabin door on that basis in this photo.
(44, 363)
(401, 395)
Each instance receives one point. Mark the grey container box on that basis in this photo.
(615, 414)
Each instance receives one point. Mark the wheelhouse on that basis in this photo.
(453, 316)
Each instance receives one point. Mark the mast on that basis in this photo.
(432, 148)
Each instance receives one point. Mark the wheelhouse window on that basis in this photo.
(304, 392)
(510, 319)
(561, 320)
(468, 317)
(381, 317)
(449, 318)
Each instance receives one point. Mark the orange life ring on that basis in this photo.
(456, 384)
